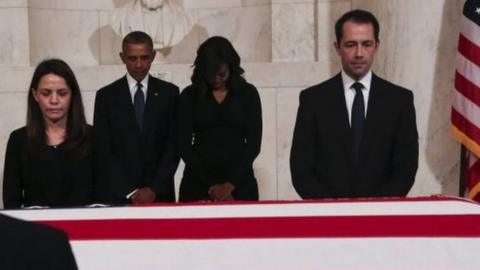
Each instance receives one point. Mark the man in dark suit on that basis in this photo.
(355, 134)
(134, 127)
(25, 245)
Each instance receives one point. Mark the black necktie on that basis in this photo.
(139, 103)
(358, 118)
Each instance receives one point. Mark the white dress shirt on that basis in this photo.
(132, 85)
(366, 81)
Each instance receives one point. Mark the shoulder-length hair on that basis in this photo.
(77, 128)
(211, 55)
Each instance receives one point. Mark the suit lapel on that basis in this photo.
(127, 111)
(374, 112)
(153, 96)
(340, 108)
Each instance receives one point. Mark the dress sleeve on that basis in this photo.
(253, 135)
(12, 176)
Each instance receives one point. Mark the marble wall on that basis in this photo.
(89, 39)
(285, 45)
(302, 30)
(15, 44)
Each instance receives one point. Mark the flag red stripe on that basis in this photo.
(272, 227)
(469, 49)
(473, 177)
(465, 126)
(474, 174)
(467, 88)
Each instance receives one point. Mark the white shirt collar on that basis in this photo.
(366, 81)
(350, 92)
(132, 85)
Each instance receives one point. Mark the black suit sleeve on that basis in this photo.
(26, 245)
(12, 176)
(302, 154)
(405, 153)
(253, 138)
(185, 136)
(112, 184)
(162, 184)
(59, 252)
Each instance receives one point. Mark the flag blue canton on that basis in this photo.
(471, 10)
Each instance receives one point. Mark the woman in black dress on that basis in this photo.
(49, 161)
(220, 127)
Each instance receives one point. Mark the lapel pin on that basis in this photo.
(155, 94)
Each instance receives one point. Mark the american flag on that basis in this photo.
(466, 96)
(379, 233)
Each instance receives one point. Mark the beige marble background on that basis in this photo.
(285, 45)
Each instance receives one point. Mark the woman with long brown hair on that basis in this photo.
(49, 161)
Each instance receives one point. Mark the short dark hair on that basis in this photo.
(357, 16)
(211, 55)
(137, 37)
(77, 129)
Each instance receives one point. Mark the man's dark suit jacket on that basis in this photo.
(25, 246)
(321, 156)
(126, 157)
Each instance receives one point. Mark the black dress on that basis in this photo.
(219, 141)
(47, 176)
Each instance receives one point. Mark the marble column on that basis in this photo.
(417, 50)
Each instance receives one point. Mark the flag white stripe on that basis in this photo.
(254, 210)
(468, 69)
(466, 108)
(470, 30)
(286, 254)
